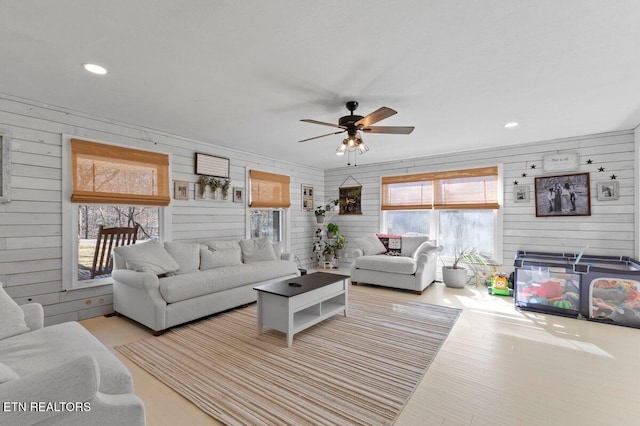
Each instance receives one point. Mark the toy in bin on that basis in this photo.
(499, 286)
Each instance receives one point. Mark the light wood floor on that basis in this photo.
(499, 366)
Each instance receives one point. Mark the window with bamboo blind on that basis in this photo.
(269, 190)
(107, 174)
(458, 189)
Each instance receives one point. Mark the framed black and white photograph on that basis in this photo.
(608, 191)
(238, 194)
(521, 194)
(180, 190)
(307, 198)
(563, 195)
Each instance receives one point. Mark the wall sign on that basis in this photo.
(210, 165)
(560, 162)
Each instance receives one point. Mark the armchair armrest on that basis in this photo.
(33, 315)
(73, 381)
(287, 256)
(141, 280)
(353, 253)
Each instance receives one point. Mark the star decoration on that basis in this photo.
(515, 182)
(589, 161)
(533, 166)
(524, 175)
(601, 169)
(613, 177)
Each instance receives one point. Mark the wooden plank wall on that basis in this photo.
(610, 229)
(31, 224)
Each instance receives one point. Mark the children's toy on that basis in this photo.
(499, 286)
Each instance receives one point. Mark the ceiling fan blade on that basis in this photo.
(322, 136)
(392, 130)
(375, 116)
(307, 120)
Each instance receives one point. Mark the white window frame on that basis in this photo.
(286, 216)
(70, 222)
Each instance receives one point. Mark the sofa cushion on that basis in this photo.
(257, 250)
(182, 287)
(7, 374)
(11, 316)
(411, 244)
(392, 264)
(219, 258)
(370, 245)
(52, 346)
(149, 256)
(187, 255)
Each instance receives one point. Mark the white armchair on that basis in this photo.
(413, 269)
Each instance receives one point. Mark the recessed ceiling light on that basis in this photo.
(511, 125)
(95, 69)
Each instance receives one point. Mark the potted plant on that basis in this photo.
(225, 189)
(339, 245)
(328, 252)
(455, 275)
(319, 212)
(332, 230)
(214, 184)
(332, 205)
(204, 181)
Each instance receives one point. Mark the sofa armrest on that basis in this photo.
(353, 253)
(33, 315)
(73, 381)
(287, 256)
(141, 280)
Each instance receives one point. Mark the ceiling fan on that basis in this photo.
(354, 124)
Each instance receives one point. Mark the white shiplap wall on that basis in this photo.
(610, 230)
(31, 224)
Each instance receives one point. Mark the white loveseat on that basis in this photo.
(412, 268)
(164, 286)
(59, 375)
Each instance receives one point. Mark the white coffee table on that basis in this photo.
(294, 305)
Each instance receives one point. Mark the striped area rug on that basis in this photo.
(359, 370)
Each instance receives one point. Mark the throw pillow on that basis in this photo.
(411, 243)
(186, 254)
(370, 245)
(149, 256)
(218, 258)
(7, 374)
(11, 316)
(257, 250)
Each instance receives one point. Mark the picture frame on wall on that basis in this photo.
(211, 165)
(307, 198)
(521, 194)
(608, 190)
(350, 199)
(180, 190)
(563, 195)
(238, 194)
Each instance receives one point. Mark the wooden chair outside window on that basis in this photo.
(109, 239)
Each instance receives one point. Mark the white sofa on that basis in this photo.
(164, 286)
(59, 375)
(413, 268)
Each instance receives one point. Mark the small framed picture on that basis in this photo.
(608, 190)
(521, 194)
(307, 198)
(238, 194)
(180, 190)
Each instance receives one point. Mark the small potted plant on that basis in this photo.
(339, 245)
(332, 230)
(214, 184)
(225, 189)
(332, 205)
(319, 212)
(455, 275)
(203, 181)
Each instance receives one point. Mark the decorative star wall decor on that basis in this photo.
(601, 169)
(589, 161)
(515, 182)
(524, 175)
(613, 177)
(533, 166)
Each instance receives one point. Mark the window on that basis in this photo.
(112, 187)
(269, 196)
(457, 208)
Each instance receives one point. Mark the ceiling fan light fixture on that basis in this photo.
(342, 148)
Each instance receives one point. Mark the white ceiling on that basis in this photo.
(243, 73)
